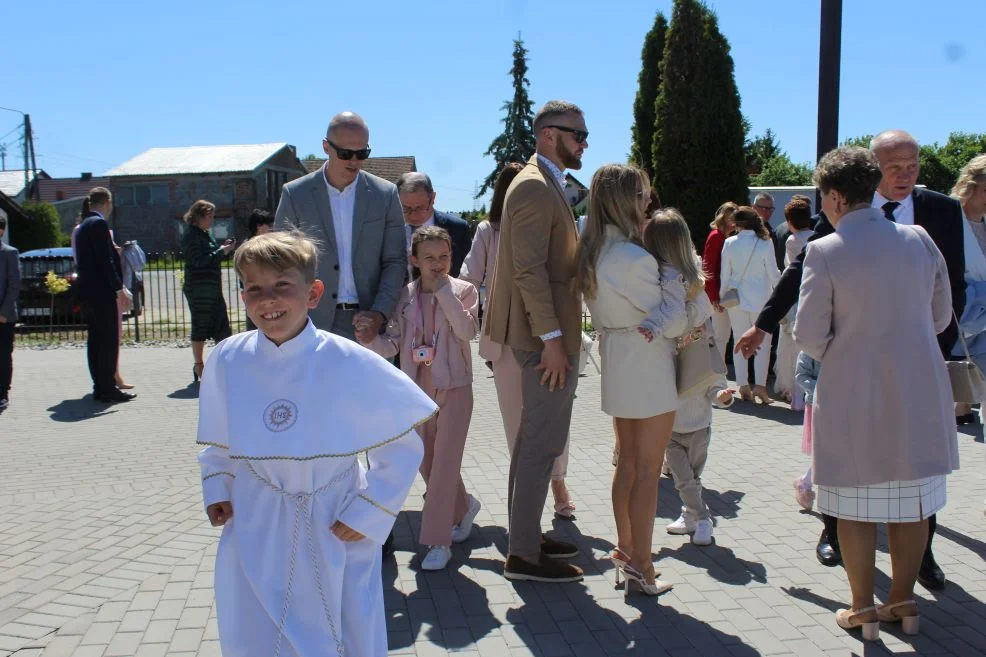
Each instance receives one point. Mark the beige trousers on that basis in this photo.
(507, 379)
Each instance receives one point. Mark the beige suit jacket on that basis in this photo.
(533, 292)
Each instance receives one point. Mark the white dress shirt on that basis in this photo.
(343, 204)
(904, 214)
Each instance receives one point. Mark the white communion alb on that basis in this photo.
(284, 426)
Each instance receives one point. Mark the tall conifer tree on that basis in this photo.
(698, 139)
(648, 87)
(516, 142)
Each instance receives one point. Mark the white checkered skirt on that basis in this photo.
(891, 501)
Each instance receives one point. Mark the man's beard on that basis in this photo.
(567, 157)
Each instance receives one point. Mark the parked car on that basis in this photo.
(35, 304)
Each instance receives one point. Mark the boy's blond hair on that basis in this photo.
(280, 251)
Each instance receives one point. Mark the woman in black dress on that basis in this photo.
(203, 280)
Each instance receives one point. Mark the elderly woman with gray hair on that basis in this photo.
(874, 295)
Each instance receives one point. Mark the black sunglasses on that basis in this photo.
(580, 135)
(348, 153)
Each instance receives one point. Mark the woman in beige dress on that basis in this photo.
(632, 299)
(874, 295)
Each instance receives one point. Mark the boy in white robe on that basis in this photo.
(285, 410)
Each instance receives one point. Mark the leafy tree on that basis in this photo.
(474, 217)
(42, 230)
(862, 141)
(516, 142)
(780, 171)
(940, 165)
(760, 150)
(698, 139)
(648, 87)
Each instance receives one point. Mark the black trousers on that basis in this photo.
(103, 344)
(832, 529)
(6, 356)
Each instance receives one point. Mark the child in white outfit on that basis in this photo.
(806, 375)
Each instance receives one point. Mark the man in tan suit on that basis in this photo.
(534, 310)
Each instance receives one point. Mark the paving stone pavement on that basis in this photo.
(105, 550)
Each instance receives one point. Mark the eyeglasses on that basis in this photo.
(418, 209)
(580, 135)
(348, 153)
(769, 208)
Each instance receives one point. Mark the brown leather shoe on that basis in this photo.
(545, 570)
(557, 549)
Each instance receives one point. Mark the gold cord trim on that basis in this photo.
(378, 505)
(330, 455)
(206, 442)
(216, 474)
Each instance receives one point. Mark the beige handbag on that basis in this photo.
(698, 364)
(730, 298)
(968, 383)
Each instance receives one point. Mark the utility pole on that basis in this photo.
(29, 148)
(829, 60)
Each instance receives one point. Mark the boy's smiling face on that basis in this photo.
(278, 301)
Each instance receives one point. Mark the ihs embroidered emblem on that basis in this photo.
(280, 415)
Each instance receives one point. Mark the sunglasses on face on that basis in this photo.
(348, 153)
(579, 135)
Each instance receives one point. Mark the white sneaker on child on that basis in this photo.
(461, 531)
(437, 557)
(703, 532)
(683, 525)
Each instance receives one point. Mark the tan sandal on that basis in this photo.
(848, 619)
(910, 623)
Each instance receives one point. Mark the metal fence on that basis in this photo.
(160, 314)
(161, 310)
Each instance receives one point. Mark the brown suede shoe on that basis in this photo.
(546, 570)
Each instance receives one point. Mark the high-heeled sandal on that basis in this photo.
(848, 619)
(909, 623)
(637, 581)
(745, 394)
(197, 371)
(620, 561)
(762, 396)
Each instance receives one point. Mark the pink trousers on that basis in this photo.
(444, 438)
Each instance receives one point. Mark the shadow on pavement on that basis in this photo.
(191, 391)
(77, 410)
(776, 412)
(721, 563)
(968, 542)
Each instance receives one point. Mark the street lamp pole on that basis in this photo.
(829, 56)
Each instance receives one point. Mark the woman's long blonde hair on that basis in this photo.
(668, 239)
(972, 174)
(614, 200)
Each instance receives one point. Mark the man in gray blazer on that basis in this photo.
(10, 287)
(356, 218)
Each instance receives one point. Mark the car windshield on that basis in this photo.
(39, 267)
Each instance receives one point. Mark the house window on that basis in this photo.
(159, 195)
(123, 196)
(275, 181)
(142, 196)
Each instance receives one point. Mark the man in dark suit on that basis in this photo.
(10, 287)
(941, 216)
(418, 201)
(100, 286)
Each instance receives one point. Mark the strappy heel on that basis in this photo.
(910, 623)
(197, 371)
(637, 581)
(848, 619)
(621, 561)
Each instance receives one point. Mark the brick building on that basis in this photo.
(152, 191)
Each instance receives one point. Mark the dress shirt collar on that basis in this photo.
(349, 189)
(879, 200)
(296, 345)
(429, 222)
(559, 174)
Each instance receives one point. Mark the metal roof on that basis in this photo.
(197, 159)
(12, 181)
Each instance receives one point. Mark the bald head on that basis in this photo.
(891, 140)
(347, 121)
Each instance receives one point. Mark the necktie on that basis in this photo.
(888, 209)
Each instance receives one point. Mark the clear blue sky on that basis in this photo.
(105, 80)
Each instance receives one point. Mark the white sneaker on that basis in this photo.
(437, 557)
(683, 525)
(703, 533)
(462, 531)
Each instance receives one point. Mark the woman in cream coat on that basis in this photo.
(622, 286)
(479, 268)
(874, 294)
(750, 267)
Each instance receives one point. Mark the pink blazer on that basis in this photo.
(457, 326)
